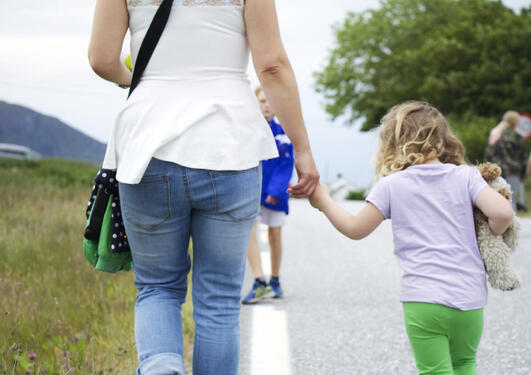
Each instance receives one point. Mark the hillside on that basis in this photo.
(47, 135)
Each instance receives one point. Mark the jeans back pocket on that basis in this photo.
(238, 193)
(147, 204)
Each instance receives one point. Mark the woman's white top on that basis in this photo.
(194, 105)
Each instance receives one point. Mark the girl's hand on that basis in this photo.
(319, 197)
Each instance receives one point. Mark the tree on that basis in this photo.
(466, 57)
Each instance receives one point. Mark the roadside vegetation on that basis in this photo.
(473, 65)
(59, 315)
(527, 198)
(356, 195)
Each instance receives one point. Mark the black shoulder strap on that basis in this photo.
(150, 42)
(93, 229)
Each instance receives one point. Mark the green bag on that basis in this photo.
(98, 252)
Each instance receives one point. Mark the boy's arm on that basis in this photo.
(279, 182)
(355, 227)
(496, 208)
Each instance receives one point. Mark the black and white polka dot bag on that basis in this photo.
(105, 189)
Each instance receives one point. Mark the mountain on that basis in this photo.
(47, 135)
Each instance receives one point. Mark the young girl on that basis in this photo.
(429, 192)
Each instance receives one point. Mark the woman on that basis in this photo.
(187, 148)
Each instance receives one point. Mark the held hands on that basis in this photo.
(320, 197)
(308, 175)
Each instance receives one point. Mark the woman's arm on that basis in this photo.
(111, 21)
(496, 208)
(278, 81)
(355, 227)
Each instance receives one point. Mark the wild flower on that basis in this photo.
(32, 356)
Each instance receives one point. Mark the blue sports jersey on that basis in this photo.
(276, 173)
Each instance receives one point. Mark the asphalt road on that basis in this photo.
(343, 314)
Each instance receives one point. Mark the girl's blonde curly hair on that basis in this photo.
(414, 133)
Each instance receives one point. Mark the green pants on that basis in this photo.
(444, 340)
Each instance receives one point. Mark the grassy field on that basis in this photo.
(59, 315)
(527, 198)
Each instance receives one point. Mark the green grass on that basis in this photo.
(52, 302)
(527, 198)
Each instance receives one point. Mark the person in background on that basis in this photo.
(274, 209)
(494, 137)
(187, 147)
(510, 154)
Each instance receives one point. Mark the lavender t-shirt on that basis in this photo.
(431, 207)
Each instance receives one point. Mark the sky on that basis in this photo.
(44, 66)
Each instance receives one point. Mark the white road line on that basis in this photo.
(270, 346)
(270, 341)
(265, 256)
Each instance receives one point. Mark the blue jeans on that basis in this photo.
(217, 209)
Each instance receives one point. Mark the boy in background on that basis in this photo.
(276, 174)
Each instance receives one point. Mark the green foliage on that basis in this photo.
(527, 198)
(356, 195)
(59, 315)
(463, 56)
(473, 131)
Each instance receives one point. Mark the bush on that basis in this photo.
(474, 132)
(356, 195)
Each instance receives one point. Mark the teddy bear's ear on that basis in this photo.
(489, 171)
(506, 193)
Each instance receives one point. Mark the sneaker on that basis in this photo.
(258, 293)
(277, 289)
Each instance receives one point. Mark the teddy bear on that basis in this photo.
(496, 250)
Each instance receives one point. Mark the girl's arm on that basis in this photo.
(355, 227)
(111, 21)
(276, 76)
(496, 208)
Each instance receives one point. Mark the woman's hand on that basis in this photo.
(308, 175)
